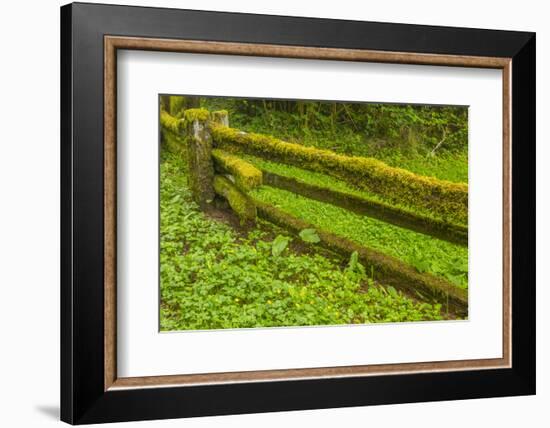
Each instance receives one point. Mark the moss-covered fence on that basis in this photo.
(397, 216)
(215, 168)
(447, 200)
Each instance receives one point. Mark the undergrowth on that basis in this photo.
(425, 253)
(214, 277)
(396, 134)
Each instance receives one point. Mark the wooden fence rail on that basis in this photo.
(371, 208)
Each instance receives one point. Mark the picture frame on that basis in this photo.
(91, 391)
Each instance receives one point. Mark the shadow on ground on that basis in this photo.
(50, 411)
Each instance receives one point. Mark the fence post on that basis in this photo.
(220, 117)
(199, 150)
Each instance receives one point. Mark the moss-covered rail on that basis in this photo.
(214, 153)
(447, 200)
(372, 208)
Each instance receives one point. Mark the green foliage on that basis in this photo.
(389, 268)
(309, 235)
(403, 136)
(455, 271)
(439, 257)
(444, 198)
(355, 270)
(353, 128)
(279, 245)
(353, 261)
(213, 277)
(450, 166)
(246, 175)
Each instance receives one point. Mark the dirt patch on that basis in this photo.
(220, 211)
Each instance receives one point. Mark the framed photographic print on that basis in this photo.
(265, 213)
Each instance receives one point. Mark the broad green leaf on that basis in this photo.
(309, 235)
(279, 244)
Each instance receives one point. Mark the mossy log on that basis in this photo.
(246, 175)
(199, 156)
(387, 269)
(238, 201)
(371, 208)
(445, 199)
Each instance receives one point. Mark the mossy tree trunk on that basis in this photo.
(201, 168)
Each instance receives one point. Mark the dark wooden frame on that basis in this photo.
(90, 390)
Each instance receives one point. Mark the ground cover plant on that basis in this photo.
(224, 264)
(425, 253)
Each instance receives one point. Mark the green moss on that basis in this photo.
(171, 123)
(246, 175)
(199, 114)
(239, 202)
(446, 199)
